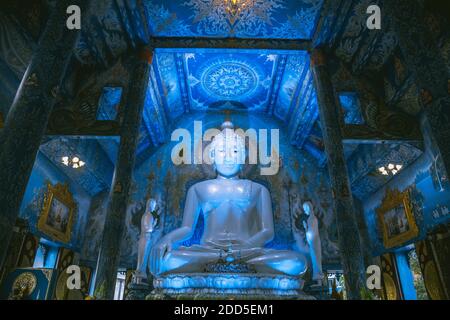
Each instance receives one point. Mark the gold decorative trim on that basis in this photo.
(389, 286)
(432, 282)
(23, 286)
(395, 199)
(47, 273)
(61, 193)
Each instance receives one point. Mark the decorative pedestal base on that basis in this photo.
(211, 286)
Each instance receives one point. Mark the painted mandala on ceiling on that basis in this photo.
(245, 79)
(229, 80)
(238, 80)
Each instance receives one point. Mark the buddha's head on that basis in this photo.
(308, 207)
(152, 205)
(228, 151)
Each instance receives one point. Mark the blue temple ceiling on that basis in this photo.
(253, 81)
(245, 78)
(276, 83)
(95, 176)
(364, 162)
(210, 18)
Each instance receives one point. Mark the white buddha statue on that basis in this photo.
(311, 226)
(148, 224)
(308, 241)
(238, 221)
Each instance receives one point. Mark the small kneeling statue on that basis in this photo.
(238, 221)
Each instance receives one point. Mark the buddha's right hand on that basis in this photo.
(162, 248)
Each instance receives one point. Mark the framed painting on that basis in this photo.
(396, 219)
(57, 213)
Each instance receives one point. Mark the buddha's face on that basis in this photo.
(308, 208)
(151, 205)
(228, 155)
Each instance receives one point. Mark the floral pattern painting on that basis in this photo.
(210, 18)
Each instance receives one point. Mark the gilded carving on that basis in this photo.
(57, 214)
(396, 219)
(389, 286)
(23, 286)
(432, 281)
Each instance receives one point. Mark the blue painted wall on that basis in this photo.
(430, 195)
(32, 203)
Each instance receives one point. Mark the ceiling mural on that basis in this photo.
(95, 176)
(201, 80)
(167, 71)
(154, 119)
(295, 71)
(273, 82)
(243, 78)
(210, 18)
(363, 165)
(229, 80)
(304, 111)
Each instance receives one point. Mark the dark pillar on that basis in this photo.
(109, 255)
(349, 240)
(27, 119)
(424, 59)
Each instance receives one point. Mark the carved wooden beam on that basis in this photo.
(364, 134)
(230, 43)
(105, 128)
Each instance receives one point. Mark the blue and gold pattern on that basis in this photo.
(230, 80)
(210, 18)
(28, 284)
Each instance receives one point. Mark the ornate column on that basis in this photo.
(423, 58)
(349, 239)
(109, 255)
(27, 119)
